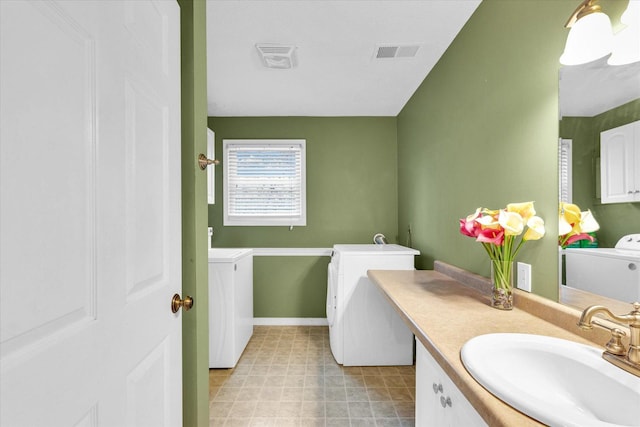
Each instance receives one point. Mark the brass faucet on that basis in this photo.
(614, 350)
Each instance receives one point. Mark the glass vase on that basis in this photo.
(502, 284)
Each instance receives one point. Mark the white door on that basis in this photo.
(89, 213)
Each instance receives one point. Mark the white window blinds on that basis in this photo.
(564, 168)
(264, 182)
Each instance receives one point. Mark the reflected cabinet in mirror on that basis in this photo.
(600, 156)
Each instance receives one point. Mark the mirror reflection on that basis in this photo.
(599, 102)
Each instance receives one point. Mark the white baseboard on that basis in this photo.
(290, 321)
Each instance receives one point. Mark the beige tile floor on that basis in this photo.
(287, 377)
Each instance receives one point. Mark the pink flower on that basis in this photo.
(491, 235)
(576, 237)
(469, 228)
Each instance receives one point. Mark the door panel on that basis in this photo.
(47, 146)
(147, 143)
(30, 194)
(89, 213)
(147, 388)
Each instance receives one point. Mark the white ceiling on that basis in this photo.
(590, 89)
(337, 73)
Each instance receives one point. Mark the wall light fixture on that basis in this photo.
(590, 36)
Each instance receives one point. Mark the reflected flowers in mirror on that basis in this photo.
(574, 224)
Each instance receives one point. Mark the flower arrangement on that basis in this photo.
(498, 231)
(574, 225)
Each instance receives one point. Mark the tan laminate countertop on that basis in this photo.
(443, 314)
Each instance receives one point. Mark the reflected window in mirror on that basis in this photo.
(564, 168)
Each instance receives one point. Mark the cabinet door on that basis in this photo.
(462, 413)
(618, 165)
(428, 391)
(438, 401)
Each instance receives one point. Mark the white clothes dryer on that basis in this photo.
(611, 272)
(364, 329)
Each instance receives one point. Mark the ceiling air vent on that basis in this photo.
(277, 56)
(396, 51)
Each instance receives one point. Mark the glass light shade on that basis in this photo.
(631, 16)
(626, 42)
(590, 38)
(626, 47)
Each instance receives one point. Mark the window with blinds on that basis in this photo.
(265, 182)
(564, 168)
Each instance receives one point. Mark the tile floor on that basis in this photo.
(287, 377)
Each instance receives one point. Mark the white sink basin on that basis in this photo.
(555, 381)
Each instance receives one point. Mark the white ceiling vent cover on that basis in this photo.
(396, 51)
(279, 56)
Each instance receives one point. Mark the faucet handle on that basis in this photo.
(615, 346)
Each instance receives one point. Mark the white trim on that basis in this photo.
(565, 164)
(290, 321)
(292, 251)
(211, 169)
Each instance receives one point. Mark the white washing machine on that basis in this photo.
(611, 272)
(230, 305)
(364, 330)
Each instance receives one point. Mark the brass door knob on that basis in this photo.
(204, 162)
(177, 302)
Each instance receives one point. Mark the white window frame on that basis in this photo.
(211, 169)
(233, 219)
(565, 180)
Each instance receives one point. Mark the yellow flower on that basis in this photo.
(588, 223)
(488, 221)
(574, 225)
(491, 212)
(512, 223)
(563, 226)
(570, 213)
(536, 229)
(525, 209)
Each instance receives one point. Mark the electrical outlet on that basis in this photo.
(524, 276)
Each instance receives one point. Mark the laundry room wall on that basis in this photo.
(351, 195)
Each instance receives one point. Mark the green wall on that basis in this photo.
(616, 219)
(195, 323)
(583, 159)
(351, 195)
(482, 130)
(290, 286)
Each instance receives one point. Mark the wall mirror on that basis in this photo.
(595, 97)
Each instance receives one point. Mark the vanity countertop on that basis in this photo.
(443, 314)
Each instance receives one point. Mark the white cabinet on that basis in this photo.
(230, 305)
(620, 164)
(439, 403)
